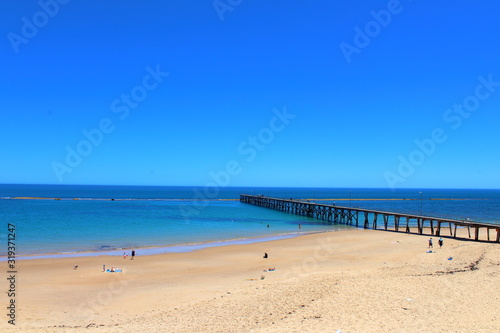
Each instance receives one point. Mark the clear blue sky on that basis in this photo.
(258, 93)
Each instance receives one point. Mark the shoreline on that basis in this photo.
(192, 247)
(173, 248)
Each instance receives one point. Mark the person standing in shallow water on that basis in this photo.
(440, 242)
(133, 255)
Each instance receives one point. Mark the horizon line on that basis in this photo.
(253, 186)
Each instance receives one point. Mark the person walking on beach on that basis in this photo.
(440, 241)
(133, 255)
(124, 255)
(104, 268)
(430, 242)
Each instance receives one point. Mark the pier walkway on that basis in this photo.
(367, 218)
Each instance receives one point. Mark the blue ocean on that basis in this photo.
(70, 219)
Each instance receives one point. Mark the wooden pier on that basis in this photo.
(367, 218)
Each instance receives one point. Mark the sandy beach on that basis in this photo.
(349, 281)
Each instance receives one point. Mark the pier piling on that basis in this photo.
(350, 216)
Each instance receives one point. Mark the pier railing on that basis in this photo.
(372, 219)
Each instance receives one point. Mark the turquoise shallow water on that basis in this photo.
(142, 217)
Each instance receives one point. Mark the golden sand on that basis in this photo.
(350, 281)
